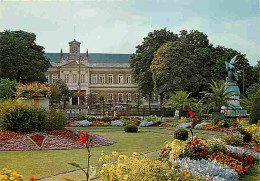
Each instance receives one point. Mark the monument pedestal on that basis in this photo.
(235, 109)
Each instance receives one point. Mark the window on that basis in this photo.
(66, 79)
(120, 79)
(128, 79)
(93, 78)
(47, 78)
(54, 78)
(135, 97)
(128, 97)
(110, 96)
(74, 78)
(120, 97)
(110, 79)
(101, 78)
(82, 78)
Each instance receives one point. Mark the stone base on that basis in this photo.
(40, 102)
(236, 112)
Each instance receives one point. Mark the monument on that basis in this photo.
(231, 83)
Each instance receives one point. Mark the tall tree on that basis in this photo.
(174, 68)
(21, 58)
(141, 60)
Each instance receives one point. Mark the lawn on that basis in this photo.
(47, 163)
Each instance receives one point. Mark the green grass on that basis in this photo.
(47, 163)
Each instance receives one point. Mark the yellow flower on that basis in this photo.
(125, 177)
(12, 178)
(4, 177)
(118, 172)
(106, 157)
(104, 166)
(111, 169)
(114, 153)
(134, 154)
(121, 157)
(100, 159)
(101, 172)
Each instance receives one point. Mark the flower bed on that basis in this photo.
(241, 163)
(56, 140)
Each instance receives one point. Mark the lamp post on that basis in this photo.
(243, 74)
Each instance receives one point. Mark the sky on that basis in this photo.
(118, 26)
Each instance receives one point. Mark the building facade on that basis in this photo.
(104, 75)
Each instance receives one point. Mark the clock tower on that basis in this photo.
(74, 48)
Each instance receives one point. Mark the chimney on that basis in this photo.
(61, 55)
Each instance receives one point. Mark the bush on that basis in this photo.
(255, 110)
(56, 120)
(91, 118)
(24, 119)
(131, 128)
(181, 134)
(82, 116)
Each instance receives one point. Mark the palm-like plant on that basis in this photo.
(218, 96)
(180, 100)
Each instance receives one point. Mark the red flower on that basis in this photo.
(201, 154)
(191, 113)
(192, 147)
(195, 138)
(33, 178)
(164, 149)
(202, 138)
(196, 141)
(206, 141)
(82, 138)
(200, 144)
(239, 118)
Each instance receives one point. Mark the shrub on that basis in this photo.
(151, 118)
(91, 118)
(255, 110)
(181, 134)
(24, 119)
(82, 116)
(131, 128)
(56, 120)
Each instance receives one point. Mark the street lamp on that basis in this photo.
(243, 74)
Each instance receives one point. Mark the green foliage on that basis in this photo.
(7, 89)
(56, 120)
(82, 116)
(180, 100)
(255, 111)
(131, 128)
(181, 134)
(151, 118)
(217, 96)
(60, 93)
(216, 144)
(91, 118)
(140, 62)
(24, 119)
(252, 90)
(21, 59)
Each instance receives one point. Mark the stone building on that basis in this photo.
(107, 75)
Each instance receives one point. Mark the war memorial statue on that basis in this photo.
(231, 83)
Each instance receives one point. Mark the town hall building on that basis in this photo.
(103, 74)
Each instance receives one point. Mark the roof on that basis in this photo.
(94, 57)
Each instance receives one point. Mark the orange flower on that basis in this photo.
(33, 178)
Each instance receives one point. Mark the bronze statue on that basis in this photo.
(230, 68)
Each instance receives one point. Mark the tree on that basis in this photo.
(91, 100)
(180, 100)
(60, 93)
(217, 96)
(174, 69)
(21, 59)
(255, 111)
(140, 62)
(7, 89)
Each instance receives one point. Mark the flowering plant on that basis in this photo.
(207, 127)
(146, 123)
(197, 149)
(33, 90)
(138, 167)
(211, 169)
(117, 123)
(9, 175)
(241, 163)
(173, 149)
